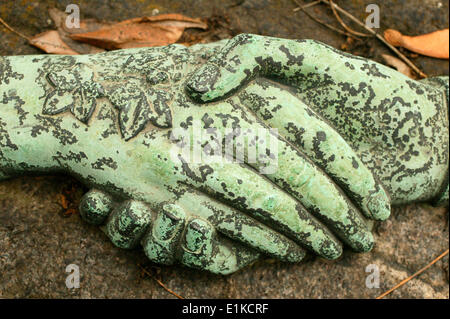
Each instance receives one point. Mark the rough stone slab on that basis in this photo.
(37, 243)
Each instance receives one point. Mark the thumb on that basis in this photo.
(229, 69)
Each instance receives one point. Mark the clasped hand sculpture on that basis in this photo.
(348, 132)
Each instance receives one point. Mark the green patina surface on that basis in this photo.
(352, 136)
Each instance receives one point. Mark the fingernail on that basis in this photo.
(127, 224)
(331, 250)
(95, 207)
(202, 82)
(169, 222)
(295, 255)
(379, 205)
(362, 241)
(196, 235)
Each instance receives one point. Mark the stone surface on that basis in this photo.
(37, 242)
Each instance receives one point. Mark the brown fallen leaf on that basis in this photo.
(399, 65)
(51, 42)
(140, 32)
(434, 44)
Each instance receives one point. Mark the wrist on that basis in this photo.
(27, 140)
(26, 154)
(442, 199)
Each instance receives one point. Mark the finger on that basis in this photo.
(203, 249)
(95, 207)
(320, 142)
(243, 58)
(161, 242)
(249, 192)
(253, 233)
(315, 193)
(304, 63)
(128, 223)
(241, 228)
(297, 175)
(294, 173)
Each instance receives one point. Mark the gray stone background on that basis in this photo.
(37, 241)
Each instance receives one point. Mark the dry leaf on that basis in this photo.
(434, 44)
(140, 32)
(401, 66)
(96, 35)
(51, 42)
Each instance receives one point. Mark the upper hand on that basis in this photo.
(397, 126)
